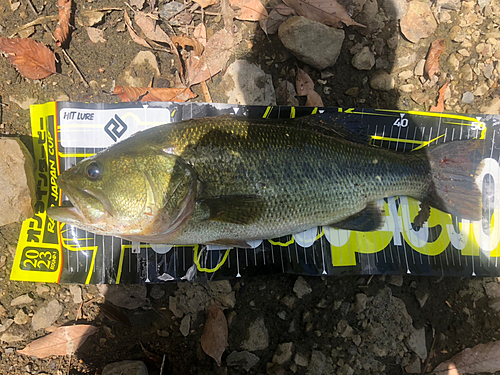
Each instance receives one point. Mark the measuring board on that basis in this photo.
(65, 133)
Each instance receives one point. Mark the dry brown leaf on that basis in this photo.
(440, 104)
(150, 28)
(328, 12)
(479, 359)
(206, 3)
(228, 15)
(214, 338)
(200, 33)
(136, 38)
(184, 41)
(151, 94)
(249, 10)
(31, 59)
(63, 341)
(271, 24)
(213, 60)
(303, 83)
(432, 61)
(314, 100)
(63, 26)
(154, 32)
(95, 35)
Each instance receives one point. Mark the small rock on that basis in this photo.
(396, 280)
(416, 343)
(404, 58)
(346, 370)
(418, 22)
(371, 18)
(282, 315)
(364, 59)
(419, 68)
(157, 292)
(162, 333)
(444, 16)
(466, 73)
(301, 360)
(494, 304)
(46, 316)
(449, 4)
(125, 368)
(6, 325)
(297, 33)
(283, 353)
(360, 304)
(382, 81)
(248, 84)
(407, 74)
(393, 42)
(468, 97)
(301, 287)
(464, 52)
(21, 300)
(170, 10)
(3, 311)
(356, 339)
(41, 289)
(481, 89)
(140, 70)
(14, 334)
(492, 289)
(381, 63)
(244, 359)
(407, 88)
(185, 325)
(414, 367)
(257, 336)
(21, 317)
(76, 292)
(493, 108)
(488, 71)
(454, 62)
(17, 180)
(286, 94)
(421, 297)
(316, 364)
(344, 329)
(23, 102)
(352, 91)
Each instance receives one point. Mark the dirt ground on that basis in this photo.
(331, 330)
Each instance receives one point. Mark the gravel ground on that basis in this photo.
(281, 323)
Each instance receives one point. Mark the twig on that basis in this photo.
(47, 29)
(162, 364)
(208, 13)
(206, 93)
(38, 21)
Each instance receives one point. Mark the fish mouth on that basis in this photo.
(80, 199)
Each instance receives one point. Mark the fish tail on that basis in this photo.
(454, 167)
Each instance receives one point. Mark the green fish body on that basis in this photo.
(228, 180)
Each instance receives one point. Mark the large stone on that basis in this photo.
(17, 181)
(312, 42)
(418, 22)
(246, 83)
(125, 368)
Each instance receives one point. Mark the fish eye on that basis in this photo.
(94, 171)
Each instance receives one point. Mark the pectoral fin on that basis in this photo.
(230, 243)
(235, 209)
(369, 219)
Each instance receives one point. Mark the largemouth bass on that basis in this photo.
(228, 180)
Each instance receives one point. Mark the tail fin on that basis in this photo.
(454, 169)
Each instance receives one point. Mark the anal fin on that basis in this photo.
(369, 219)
